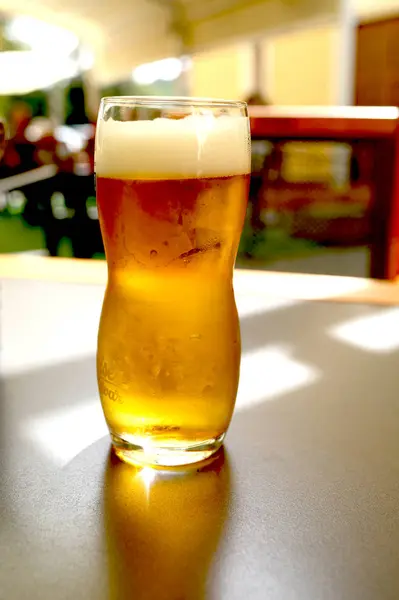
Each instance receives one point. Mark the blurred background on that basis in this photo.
(312, 200)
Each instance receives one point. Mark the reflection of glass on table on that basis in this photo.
(163, 528)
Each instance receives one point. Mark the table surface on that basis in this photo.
(301, 505)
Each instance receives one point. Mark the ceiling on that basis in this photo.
(125, 33)
(198, 11)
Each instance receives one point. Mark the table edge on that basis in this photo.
(293, 286)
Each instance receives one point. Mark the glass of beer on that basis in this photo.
(172, 178)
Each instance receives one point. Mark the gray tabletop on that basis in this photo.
(301, 505)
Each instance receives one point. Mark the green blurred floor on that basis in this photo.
(17, 236)
(274, 250)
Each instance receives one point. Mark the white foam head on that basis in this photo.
(196, 146)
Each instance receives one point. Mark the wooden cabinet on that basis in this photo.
(377, 63)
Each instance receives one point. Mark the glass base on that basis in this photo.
(143, 452)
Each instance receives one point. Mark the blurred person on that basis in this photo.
(19, 117)
(50, 151)
(77, 114)
(20, 153)
(19, 156)
(79, 193)
(67, 216)
(89, 149)
(38, 194)
(33, 144)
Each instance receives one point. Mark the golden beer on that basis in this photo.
(169, 345)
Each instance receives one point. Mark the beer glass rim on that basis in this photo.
(153, 101)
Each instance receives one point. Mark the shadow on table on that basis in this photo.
(49, 388)
(299, 322)
(163, 528)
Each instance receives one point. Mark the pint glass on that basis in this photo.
(172, 181)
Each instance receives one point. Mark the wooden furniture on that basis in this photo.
(303, 502)
(377, 63)
(378, 127)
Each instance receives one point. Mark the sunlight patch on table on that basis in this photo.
(253, 305)
(375, 333)
(63, 434)
(270, 372)
(302, 286)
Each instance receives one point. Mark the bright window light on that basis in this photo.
(25, 71)
(376, 333)
(86, 59)
(42, 36)
(167, 69)
(269, 373)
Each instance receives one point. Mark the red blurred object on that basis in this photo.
(379, 127)
(2, 140)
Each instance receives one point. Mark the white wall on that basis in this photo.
(225, 72)
(300, 66)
